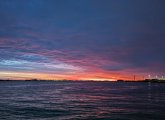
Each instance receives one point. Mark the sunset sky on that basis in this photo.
(82, 39)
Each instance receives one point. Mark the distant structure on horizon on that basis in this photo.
(155, 77)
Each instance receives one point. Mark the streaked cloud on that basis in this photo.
(85, 39)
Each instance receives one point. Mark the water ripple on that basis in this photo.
(50, 100)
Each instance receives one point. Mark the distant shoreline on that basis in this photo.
(146, 80)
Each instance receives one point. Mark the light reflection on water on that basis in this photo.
(50, 100)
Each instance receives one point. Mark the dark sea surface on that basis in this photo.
(55, 100)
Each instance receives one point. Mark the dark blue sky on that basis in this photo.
(81, 39)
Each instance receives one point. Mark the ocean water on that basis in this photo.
(55, 100)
